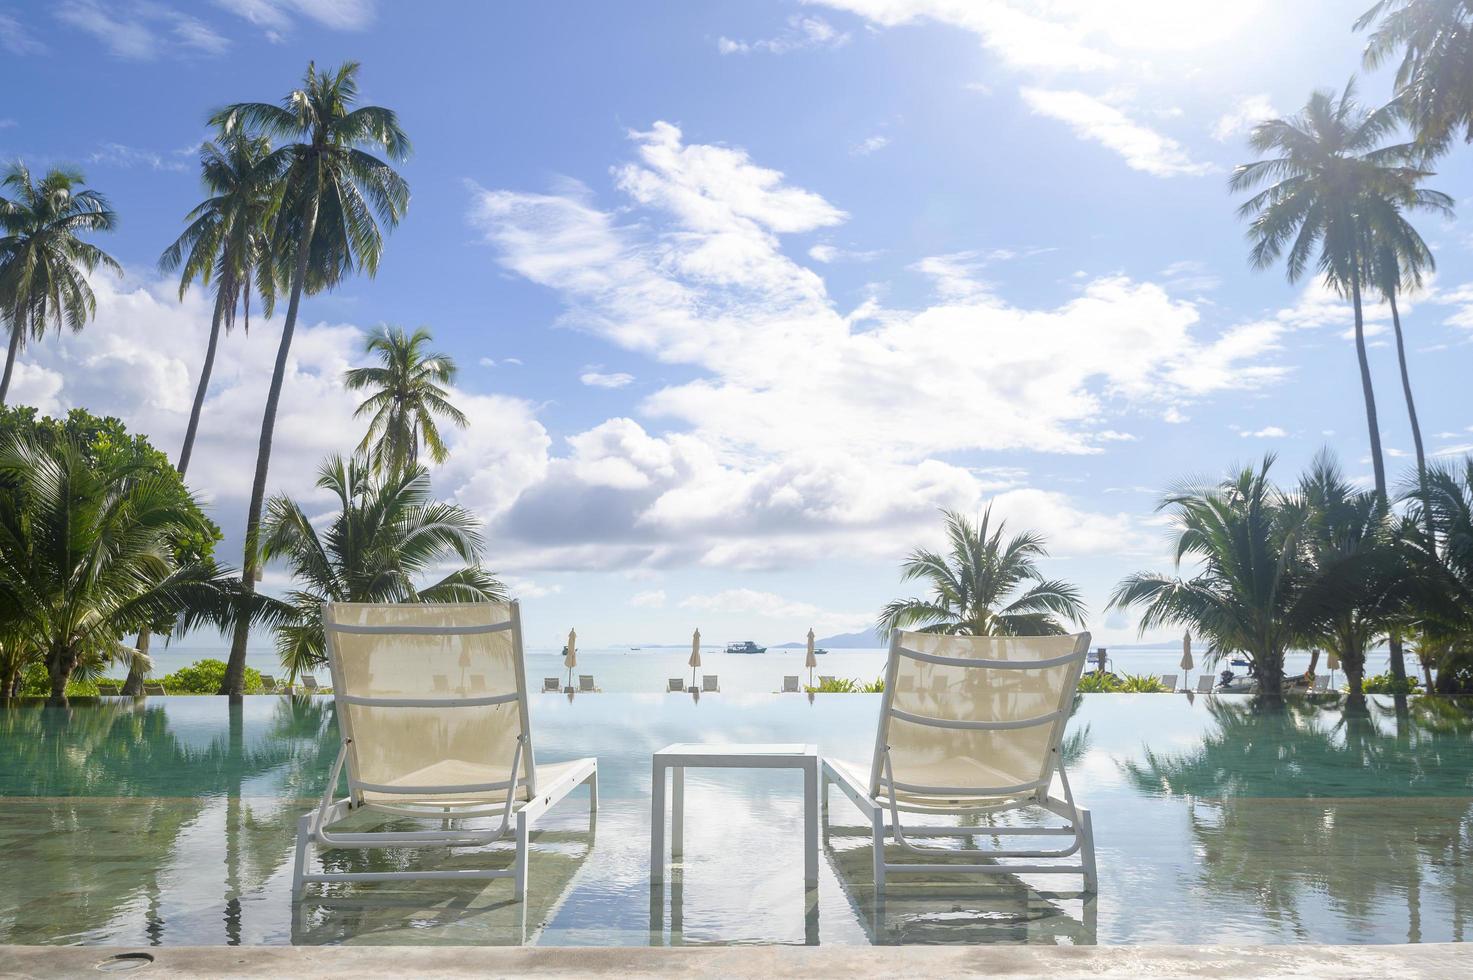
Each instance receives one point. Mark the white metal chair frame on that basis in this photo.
(879, 796)
(516, 812)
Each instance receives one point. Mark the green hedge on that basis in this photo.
(205, 677)
(1386, 684)
(1097, 683)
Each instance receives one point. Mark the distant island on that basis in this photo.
(863, 640)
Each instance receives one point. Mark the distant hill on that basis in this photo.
(864, 639)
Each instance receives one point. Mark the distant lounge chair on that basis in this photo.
(154, 689)
(442, 683)
(478, 684)
(709, 684)
(1168, 681)
(268, 684)
(1321, 683)
(790, 683)
(1205, 684)
(107, 690)
(412, 750)
(990, 745)
(585, 684)
(309, 684)
(676, 685)
(905, 684)
(549, 685)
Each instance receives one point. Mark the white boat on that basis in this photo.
(745, 646)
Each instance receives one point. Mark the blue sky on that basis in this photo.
(743, 292)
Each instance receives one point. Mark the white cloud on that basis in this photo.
(1189, 276)
(16, 38)
(826, 253)
(801, 33)
(596, 378)
(126, 157)
(1090, 118)
(1267, 432)
(279, 15)
(870, 145)
(651, 599)
(1246, 113)
(770, 606)
(141, 31)
(526, 588)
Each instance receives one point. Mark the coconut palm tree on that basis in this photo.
(1434, 78)
(1440, 544)
(1247, 593)
(984, 585)
(227, 243)
(406, 397)
(331, 189)
(387, 535)
(1357, 586)
(42, 261)
(89, 552)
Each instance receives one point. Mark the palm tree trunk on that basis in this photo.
(204, 385)
(133, 686)
(60, 667)
(1406, 388)
(15, 335)
(234, 682)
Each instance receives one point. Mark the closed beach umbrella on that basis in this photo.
(1333, 662)
(1186, 658)
(811, 661)
(570, 656)
(695, 656)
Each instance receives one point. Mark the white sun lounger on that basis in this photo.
(413, 749)
(710, 684)
(988, 744)
(550, 684)
(268, 684)
(585, 684)
(1322, 683)
(309, 684)
(790, 684)
(1205, 683)
(674, 685)
(1168, 681)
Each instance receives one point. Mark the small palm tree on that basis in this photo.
(1248, 595)
(1434, 79)
(1359, 573)
(407, 395)
(387, 535)
(228, 243)
(42, 261)
(1439, 542)
(88, 553)
(330, 191)
(984, 586)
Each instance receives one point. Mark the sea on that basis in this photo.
(647, 670)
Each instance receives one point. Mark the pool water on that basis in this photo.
(171, 821)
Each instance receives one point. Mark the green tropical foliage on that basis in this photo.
(43, 262)
(387, 535)
(334, 194)
(95, 543)
(407, 394)
(984, 585)
(204, 677)
(1439, 545)
(1387, 684)
(1433, 40)
(1095, 682)
(227, 245)
(1248, 591)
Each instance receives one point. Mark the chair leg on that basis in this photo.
(304, 834)
(1087, 851)
(592, 782)
(519, 878)
(878, 836)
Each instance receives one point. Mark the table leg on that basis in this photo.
(657, 823)
(677, 812)
(810, 824)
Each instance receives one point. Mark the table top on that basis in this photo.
(755, 752)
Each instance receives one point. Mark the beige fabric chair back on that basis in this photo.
(972, 718)
(421, 729)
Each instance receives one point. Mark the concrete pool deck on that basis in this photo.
(1429, 960)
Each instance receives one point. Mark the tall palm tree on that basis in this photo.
(1248, 594)
(331, 189)
(387, 534)
(1357, 586)
(227, 243)
(984, 585)
(88, 553)
(406, 397)
(42, 261)
(1434, 78)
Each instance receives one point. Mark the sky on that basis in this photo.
(744, 293)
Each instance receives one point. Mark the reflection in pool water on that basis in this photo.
(172, 821)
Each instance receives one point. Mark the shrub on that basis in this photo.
(1386, 684)
(835, 685)
(205, 677)
(1097, 683)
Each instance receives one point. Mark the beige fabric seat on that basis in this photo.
(431, 702)
(972, 726)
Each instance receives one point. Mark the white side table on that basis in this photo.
(685, 755)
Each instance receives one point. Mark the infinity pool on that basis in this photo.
(172, 822)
